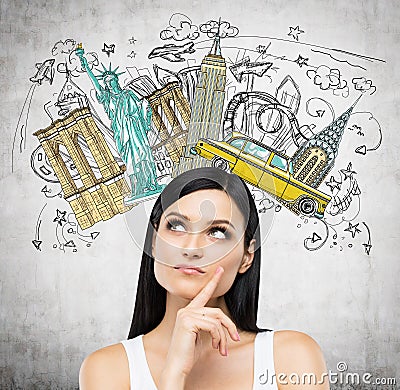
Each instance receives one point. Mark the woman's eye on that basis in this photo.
(176, 226)
(218, 233)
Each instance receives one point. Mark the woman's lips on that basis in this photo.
(189, 270)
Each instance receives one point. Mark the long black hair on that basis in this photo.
(242, 298)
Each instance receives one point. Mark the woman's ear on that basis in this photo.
(248, 257)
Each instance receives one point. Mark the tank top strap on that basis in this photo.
(264, 369)
(139, 372)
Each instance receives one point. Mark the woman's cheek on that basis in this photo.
(165, 251)
(159, 274)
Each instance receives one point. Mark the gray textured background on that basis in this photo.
(56, 308)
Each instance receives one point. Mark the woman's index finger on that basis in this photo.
(205, 294)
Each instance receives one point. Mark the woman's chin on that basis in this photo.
(186, 289)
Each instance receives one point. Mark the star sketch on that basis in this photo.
(132, 54)
(294, 32)
(332, 184)
(132, 40)
(60, 217)
(348, 173)
(261, 49)
(301, 61)
(353, 229)
(108, 49)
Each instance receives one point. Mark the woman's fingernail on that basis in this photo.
(219, 270)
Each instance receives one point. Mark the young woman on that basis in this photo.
(194, 322)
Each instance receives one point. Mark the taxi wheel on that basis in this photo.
(220, 163)
(307, 206)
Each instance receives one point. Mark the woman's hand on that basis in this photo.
(185, 345)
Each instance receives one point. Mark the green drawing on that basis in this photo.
(130, 122)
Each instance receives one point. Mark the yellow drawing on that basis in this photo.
(207, 107)
(316, 157)
(265, 168)
(171, 117)
(96, 198)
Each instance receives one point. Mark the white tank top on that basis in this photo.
(263, 376)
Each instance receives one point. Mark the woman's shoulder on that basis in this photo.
(294, 339)
(297, 353)
(105, 368)
(297, 343)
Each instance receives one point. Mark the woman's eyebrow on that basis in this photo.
(221, 221)
(213, 222)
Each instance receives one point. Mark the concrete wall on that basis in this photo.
(58, 306)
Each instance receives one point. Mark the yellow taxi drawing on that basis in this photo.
(265, 168)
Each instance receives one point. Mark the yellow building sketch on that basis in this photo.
(171, 117)
(207, 108)
(97, 198)
(316, 157)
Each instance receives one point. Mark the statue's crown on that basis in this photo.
(108, 72)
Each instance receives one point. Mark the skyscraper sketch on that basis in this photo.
(316, 157)
(207, 106)
(288, 94)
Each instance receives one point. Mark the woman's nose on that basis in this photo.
(193, 246)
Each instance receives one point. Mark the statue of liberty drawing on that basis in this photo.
(130, 122)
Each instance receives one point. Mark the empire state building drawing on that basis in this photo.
(207, 108)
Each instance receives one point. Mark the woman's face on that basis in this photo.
(204, 229)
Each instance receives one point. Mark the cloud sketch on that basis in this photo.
(68, 61)
(224, 29)
(180, 28)
(63, 47)
(363, 85)
(327, 78)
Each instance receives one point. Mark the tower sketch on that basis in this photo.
(207, 107)
(288, 94)
(316, 157)
(93, 197)
(171, 118)
(70, 97)
(187, 78)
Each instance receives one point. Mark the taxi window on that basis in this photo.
(237, 143)
(279, 162)
(256, 151)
